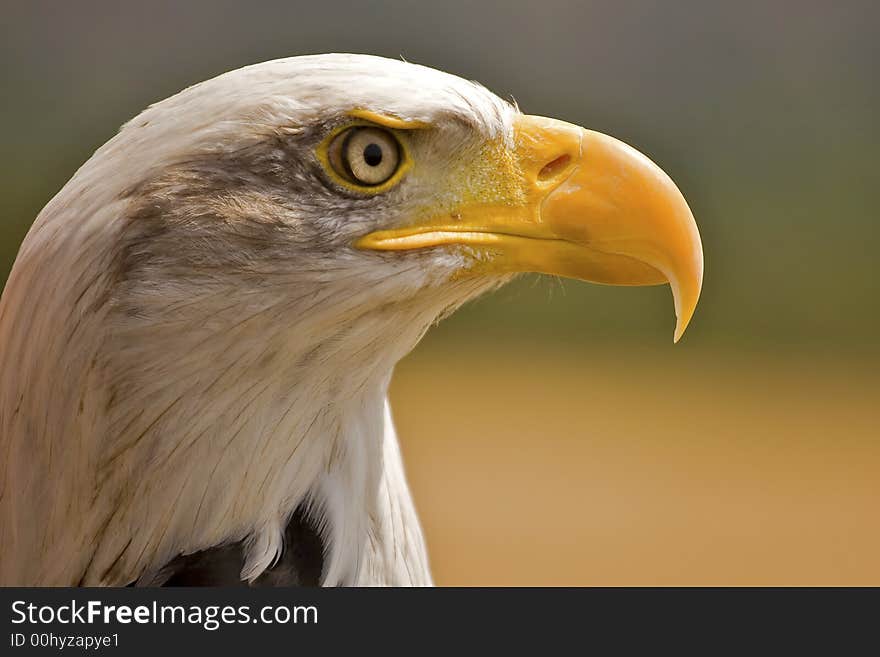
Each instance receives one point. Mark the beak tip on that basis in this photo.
(680, 325)
(679, 331)
(685, 305)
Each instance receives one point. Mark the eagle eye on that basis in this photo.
(365, 156)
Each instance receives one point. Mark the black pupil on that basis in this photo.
(373, 154)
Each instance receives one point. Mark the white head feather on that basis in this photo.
(188, 355)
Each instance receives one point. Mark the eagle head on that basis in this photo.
(199, 329)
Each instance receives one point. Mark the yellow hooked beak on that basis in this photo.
(586, 206)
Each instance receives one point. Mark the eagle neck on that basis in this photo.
(371, 530)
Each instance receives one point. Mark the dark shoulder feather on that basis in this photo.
(300, 563)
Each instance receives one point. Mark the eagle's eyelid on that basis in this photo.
(388, 120)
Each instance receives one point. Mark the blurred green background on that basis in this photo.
(552, 433)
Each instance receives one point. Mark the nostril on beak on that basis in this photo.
(554, 168)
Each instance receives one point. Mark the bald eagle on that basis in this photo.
(198, 333)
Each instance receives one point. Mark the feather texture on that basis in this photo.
(192, 351)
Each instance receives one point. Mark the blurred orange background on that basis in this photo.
(541, 466)
(552, 433)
